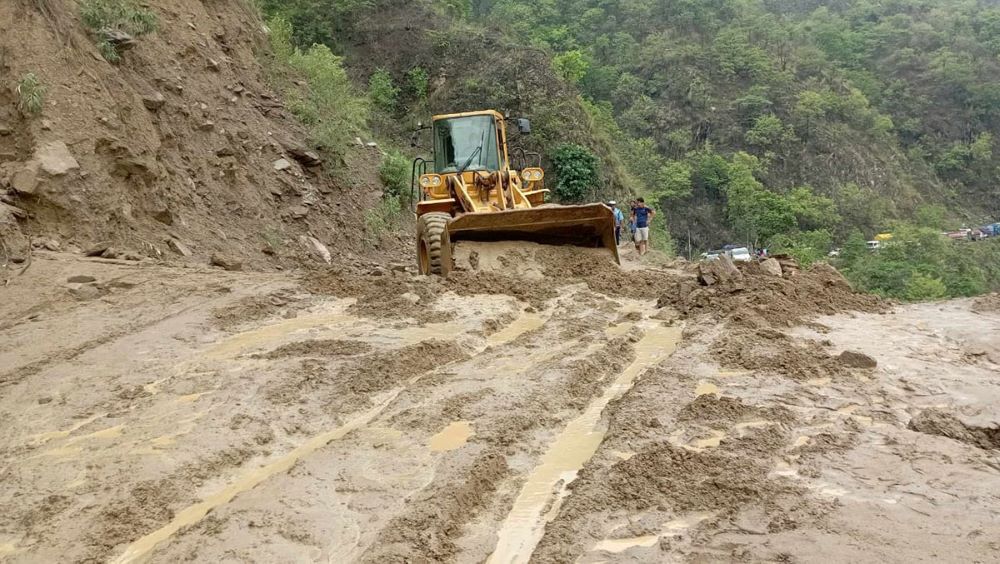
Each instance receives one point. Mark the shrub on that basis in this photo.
(329, 105)
(921, 288)
(395, 174)
(128, 16)
(382, 91)
(30, 94)
(418, 82)
(576, 168)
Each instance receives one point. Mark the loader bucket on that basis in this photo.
(591, 225)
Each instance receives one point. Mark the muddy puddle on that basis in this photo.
(541, 495)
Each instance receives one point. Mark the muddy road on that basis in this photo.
(542, 408)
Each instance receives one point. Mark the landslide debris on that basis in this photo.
(944, 424)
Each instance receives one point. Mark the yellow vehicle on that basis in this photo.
(471, 190)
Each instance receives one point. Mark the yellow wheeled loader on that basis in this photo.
(471, 190)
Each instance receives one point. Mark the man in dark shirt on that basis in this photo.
(642, 216)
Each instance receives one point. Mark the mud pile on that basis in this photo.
(989, 303)
(755, 298)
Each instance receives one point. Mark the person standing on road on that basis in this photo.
(631, 223)
(619, 221)
(642, 216)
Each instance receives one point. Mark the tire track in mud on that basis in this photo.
(143, 547)
(545, 488)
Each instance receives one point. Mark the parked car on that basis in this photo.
(874, 245)
(740, 254)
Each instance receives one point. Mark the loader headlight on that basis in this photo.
(532, 174)
(430, 180)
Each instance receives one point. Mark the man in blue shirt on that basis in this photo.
(642, 216)
(619, 220)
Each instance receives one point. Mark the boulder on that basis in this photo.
(55, 159)
(719, 271)
(179, 248)
(154, 102)
(282, 164)
(228, 263)
(298, 212)
(857, 360)
(85, 293)
(81, 279)
(314, 246)
(25, 180)
(305, 157)
(771, 267)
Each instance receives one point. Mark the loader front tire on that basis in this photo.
(433, 244)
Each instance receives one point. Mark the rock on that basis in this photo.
(719, 271)
(282, 164)
(411, 297)
(121, 40)
(398, 268)
(81, 279)
(371, 145)
(771, 267)
(227, 263)
(44, 400)
(46, 125)
(5, 130)
(359, 142)
(307, 158)
(857, 360)
(55, 158)
(225, 152)
(13, 210)
(51, 245)
(110, 253)
(213, 65)
(207, 126)
(314, 246)
(8, 157)
(165, 217)
(25, 180)
(154, 102)
(85, 293)
(298, 212)
(179, 248)
(97, 250)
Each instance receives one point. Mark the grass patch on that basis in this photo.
(383, 218)
(105, 17)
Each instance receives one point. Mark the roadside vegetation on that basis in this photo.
(108, 18)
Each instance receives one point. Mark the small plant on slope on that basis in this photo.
(31, 94)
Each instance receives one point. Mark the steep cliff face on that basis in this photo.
(178, 149)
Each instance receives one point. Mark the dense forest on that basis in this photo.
(793, 124)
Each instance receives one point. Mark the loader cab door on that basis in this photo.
(469, 141)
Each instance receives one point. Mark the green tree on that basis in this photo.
(572, 66)
(382, 91)
(576, 171)
(674, 180)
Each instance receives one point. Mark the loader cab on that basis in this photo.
(468, 142)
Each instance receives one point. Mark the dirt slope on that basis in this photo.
(169, 153)
(178, 414)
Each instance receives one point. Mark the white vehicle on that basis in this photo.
(874, 245)
(741, 254)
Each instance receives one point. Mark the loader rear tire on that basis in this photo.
(433, 244)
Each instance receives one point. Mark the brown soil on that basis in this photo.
(987, 304)
(399, 418)
(196, 174)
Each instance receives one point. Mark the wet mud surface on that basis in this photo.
(556, 411)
